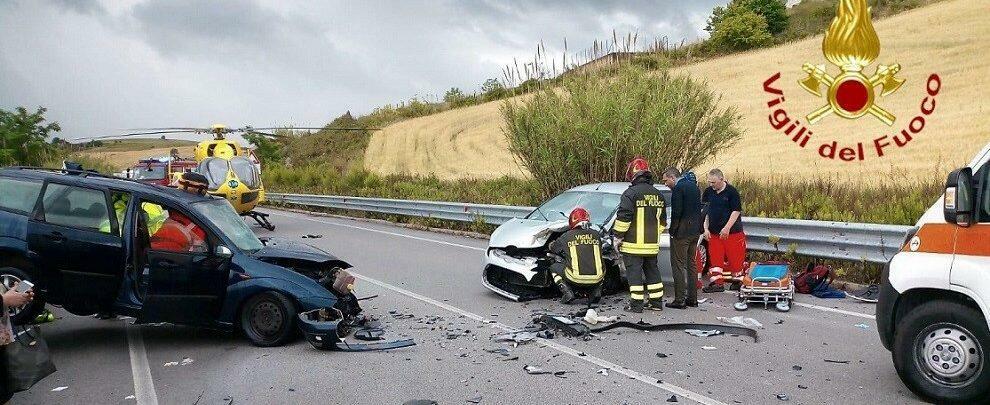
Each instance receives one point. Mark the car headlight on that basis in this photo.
(524, 261)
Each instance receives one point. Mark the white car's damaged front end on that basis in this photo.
(513, 262)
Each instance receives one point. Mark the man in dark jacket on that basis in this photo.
(685, 228)
(640, 220)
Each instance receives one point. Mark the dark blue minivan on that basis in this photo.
(97, 244)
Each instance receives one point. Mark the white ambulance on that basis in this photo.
(935, 294)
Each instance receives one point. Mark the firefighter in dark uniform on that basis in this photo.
(579, 255)
(639, 222)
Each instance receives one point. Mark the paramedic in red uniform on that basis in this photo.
(178, 233)
(724, 232)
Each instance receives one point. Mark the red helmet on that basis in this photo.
(636, 167)
(579, 215)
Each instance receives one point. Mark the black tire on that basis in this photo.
(268, 319)
(27, 313)
(957, 339)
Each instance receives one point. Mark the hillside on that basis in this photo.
(946, 38)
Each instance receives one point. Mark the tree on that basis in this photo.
(24, 137)
(454, 96)
(740, 29)
(774, 12)
(493, 89)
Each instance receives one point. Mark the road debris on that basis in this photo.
(862, 326)
(130, 397)
(709, 348)
(783, 397)
(310, 236)
(647, 327)
(369, 334)
(837, 361)
(475, 400)
(170, 364)
(518, 337)
(796, 368)
(560, 374)
(420, 402)
(741, 321)
(603, 371)
(703, 333)
(804, 387)
(186, 361)
(662, 355)
(593, 318)
(59, 389)
(673, 398)
(534, 370)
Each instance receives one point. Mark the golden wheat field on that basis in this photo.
(125, 159)
(947, 39)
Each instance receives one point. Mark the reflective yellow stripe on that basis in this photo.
(557, 278)
(635, 288)
(656, 294)
(598, 260)
(574, 258)
(640, 222)
(640, 248)
(620, 226)
(637, 296)
(654, 286)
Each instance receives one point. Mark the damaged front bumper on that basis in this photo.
(326, 328)
(518, 278)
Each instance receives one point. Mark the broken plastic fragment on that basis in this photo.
(796, 368)
(170, 364)
(783, 397)
(475, 400)
(862, 326)
(534, 370)
(741, 321)
(592, 318)
(703, 333)
(57, 389)
(673, 398)
(662, 355)
(603, 371)
(186, 361)
(709, 348)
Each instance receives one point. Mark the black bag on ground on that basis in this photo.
(28, 359)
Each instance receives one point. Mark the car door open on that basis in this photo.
(184, 279)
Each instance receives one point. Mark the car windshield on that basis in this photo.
(222, 214)
(600, 205)
(149, 172)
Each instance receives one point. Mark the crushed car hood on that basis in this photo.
(279, 248)
(525, 233)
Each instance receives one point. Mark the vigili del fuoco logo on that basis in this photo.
(852, 45)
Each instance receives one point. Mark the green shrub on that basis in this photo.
(740, 29)
(589, 129)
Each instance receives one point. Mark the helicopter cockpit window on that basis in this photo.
(245, 171)
(215, 170)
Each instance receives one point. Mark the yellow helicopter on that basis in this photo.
(234, 172)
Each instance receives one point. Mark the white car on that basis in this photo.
(515, 264)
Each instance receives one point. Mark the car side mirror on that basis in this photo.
(223, 252)
(957, 207)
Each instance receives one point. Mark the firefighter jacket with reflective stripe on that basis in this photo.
(581, 250)
(641, 218)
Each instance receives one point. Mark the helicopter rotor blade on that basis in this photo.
(168, 129)
(314, 129)
(266, 134)
(93, 138)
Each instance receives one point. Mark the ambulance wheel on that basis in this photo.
(783, 306)
(740, 306)
(940, 352)
(268, 319)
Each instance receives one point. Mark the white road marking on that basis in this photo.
(836, 310)
(599, 362)
(144, 386)
(382, 232)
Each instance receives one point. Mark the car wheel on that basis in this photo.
(268, 319)
(24, 313)
(940, 352)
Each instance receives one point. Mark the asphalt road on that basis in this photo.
(435, 278)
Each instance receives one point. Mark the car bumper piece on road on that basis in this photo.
(325, 329)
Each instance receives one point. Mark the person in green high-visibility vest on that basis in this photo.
(156, 215)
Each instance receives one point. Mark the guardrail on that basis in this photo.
(875, 243)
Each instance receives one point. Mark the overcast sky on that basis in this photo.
(103, 66)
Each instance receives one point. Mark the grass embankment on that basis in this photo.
(916, 39)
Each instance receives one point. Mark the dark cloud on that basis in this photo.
(104, 65)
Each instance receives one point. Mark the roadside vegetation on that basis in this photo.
(587, 130)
